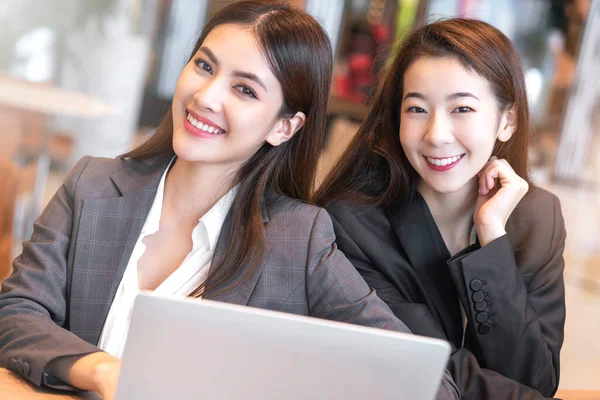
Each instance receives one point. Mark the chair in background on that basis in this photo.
(11, 131)
(8, 194)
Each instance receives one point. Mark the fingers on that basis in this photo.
(488, 176)
(499, 170)
(486, 182)
(493, 171)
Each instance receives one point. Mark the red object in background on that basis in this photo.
(360, 72)
(355, 79)
(382, 33)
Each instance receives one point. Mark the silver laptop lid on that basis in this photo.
(201, 349)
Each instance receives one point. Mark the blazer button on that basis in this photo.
(480, 306)
(478, 296)
(482, 317)
(13, 364)
(26, 369)
(475, 285)
(18, 366)
(484, 329)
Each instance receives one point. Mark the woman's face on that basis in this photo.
(449, 122)
(227, 101)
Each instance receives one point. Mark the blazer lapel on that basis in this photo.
(138, 192)
(241, 294)
(428, 254)
(108, 230)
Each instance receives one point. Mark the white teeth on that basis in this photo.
(201, 126)
(441, 162)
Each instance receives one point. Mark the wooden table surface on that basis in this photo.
(14, 387)
(578, 394)
(48, 99)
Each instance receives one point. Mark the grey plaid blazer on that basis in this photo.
(63, 284)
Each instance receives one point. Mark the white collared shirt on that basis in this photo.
(191, 273)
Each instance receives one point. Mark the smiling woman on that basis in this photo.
(213, 205)
(451, 122)
(433, 205)
(227, 92)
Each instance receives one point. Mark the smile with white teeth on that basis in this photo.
(440, 162)
(204, 127)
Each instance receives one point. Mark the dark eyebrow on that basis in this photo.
(459, 95)
(210, 55)
(415, 95)
(250, 76)
(453, 96)
(240, 74)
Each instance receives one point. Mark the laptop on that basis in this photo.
(202, 349)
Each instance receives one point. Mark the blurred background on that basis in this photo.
(96, 76)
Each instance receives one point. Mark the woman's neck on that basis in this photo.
(453, 213)
(191, 189)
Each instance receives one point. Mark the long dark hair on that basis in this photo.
(374, 169)
(300, 56)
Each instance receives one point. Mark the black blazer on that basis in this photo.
(512, 290)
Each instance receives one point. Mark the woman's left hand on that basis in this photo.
(494, 205)
(106, 377)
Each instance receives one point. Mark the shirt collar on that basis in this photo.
(153, 219)
(215, 217)
(212, 220)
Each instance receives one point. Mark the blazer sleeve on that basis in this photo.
(473, 380)
(516, 313)
(33, 300)
(336, 291)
